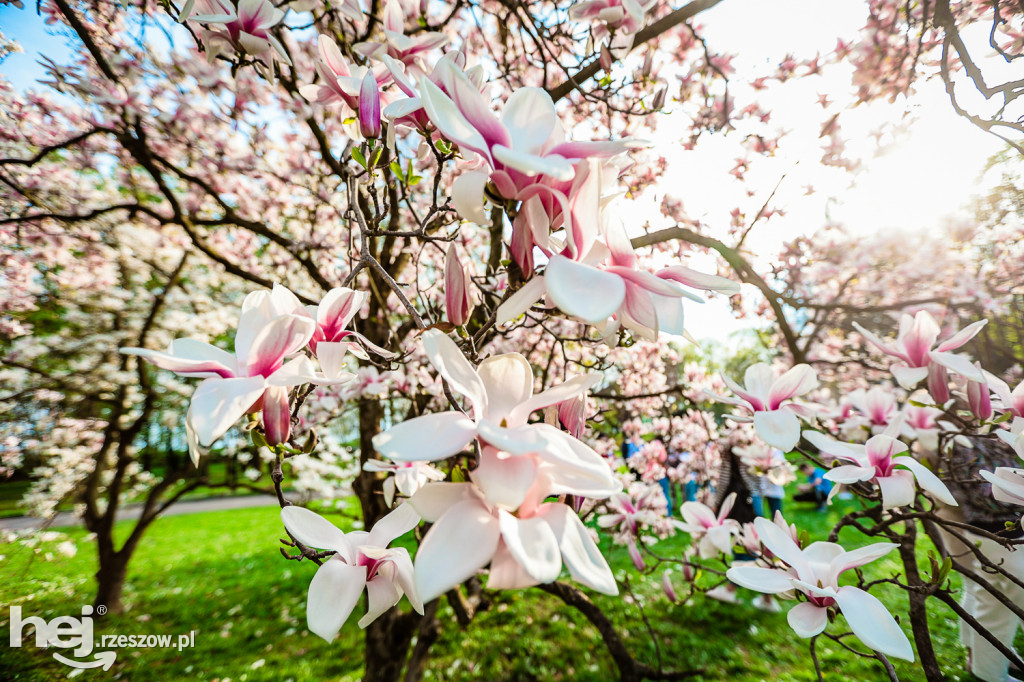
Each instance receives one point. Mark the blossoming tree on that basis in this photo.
(412, 209)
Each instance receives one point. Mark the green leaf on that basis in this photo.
(358, 157)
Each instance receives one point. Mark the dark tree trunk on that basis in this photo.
(918, 607)
(389, 638)
(110, 581)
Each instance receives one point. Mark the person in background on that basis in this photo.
(773, 482)
(733, 477)
(817, 487)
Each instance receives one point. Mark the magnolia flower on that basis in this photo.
(1007, 484)
(618, 18)
(397, 45)
(458, 304)
(916, 349)
(713, 533)
(763, 394)
(340, 81)
(501, 393)
(521, 148)
(408, 477)
(814, 572)
(593, 281)
(362, 562)
(255, 378)
(876, 460)
(247, 29)
(501, 518)
(332, 317)
(1012, 402)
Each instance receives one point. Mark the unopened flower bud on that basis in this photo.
(369, 107)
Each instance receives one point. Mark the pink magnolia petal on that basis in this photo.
(962, 336)
(928, 481)
(396, 523)
(508, 382)
(468, 196)
(798, 381)
(779, 543)
(850, 473)
(459, 544)
(699, 280)
(859, 557)
(533, 544)
(382, 594)
(190, 357)
(908, 377)
(504, 481)
(530, 165)
(570, 389)
(449, 120)
(427, 438)
(279, 338)
(333, 594)
(433, 500)
(959, 364)
(872, 623)
(315, 531)
(451, 364)
(767, 580)
(1007, 484)
(584, 560)
(918, 337)
(506, 573)
(807, 620)
(898, 489)
(583, 291)
(218, 403)
(521, 301)
(529, 116)
(780, 428)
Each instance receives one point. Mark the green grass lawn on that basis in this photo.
(220, 574)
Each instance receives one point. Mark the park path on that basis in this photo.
(133, 511)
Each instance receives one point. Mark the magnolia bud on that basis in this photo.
(573, 414)
(938, 383)
(277, 418)
(457, 302)
(634, 554)
(369, 107)
(979, 398)
(605, 58)
(659, 99)
(648, 64)
(666, 585)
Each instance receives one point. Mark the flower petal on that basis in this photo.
(315, 531)
(333, 594)
(459, 544)
(521, 301)
(872, 623)
(427, 438)
(508, 381)
(767, 580)
(926, 479)
(433, 500)
(468, 196)
(533, 544)
(807, 620)
(218, 403)
(398, 522)
(381, 594)
(583, 291)
(780, 428)
(584, 560)
(449, 361)
(897, 490)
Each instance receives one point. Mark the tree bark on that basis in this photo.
(918, 607)
(110, 581)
